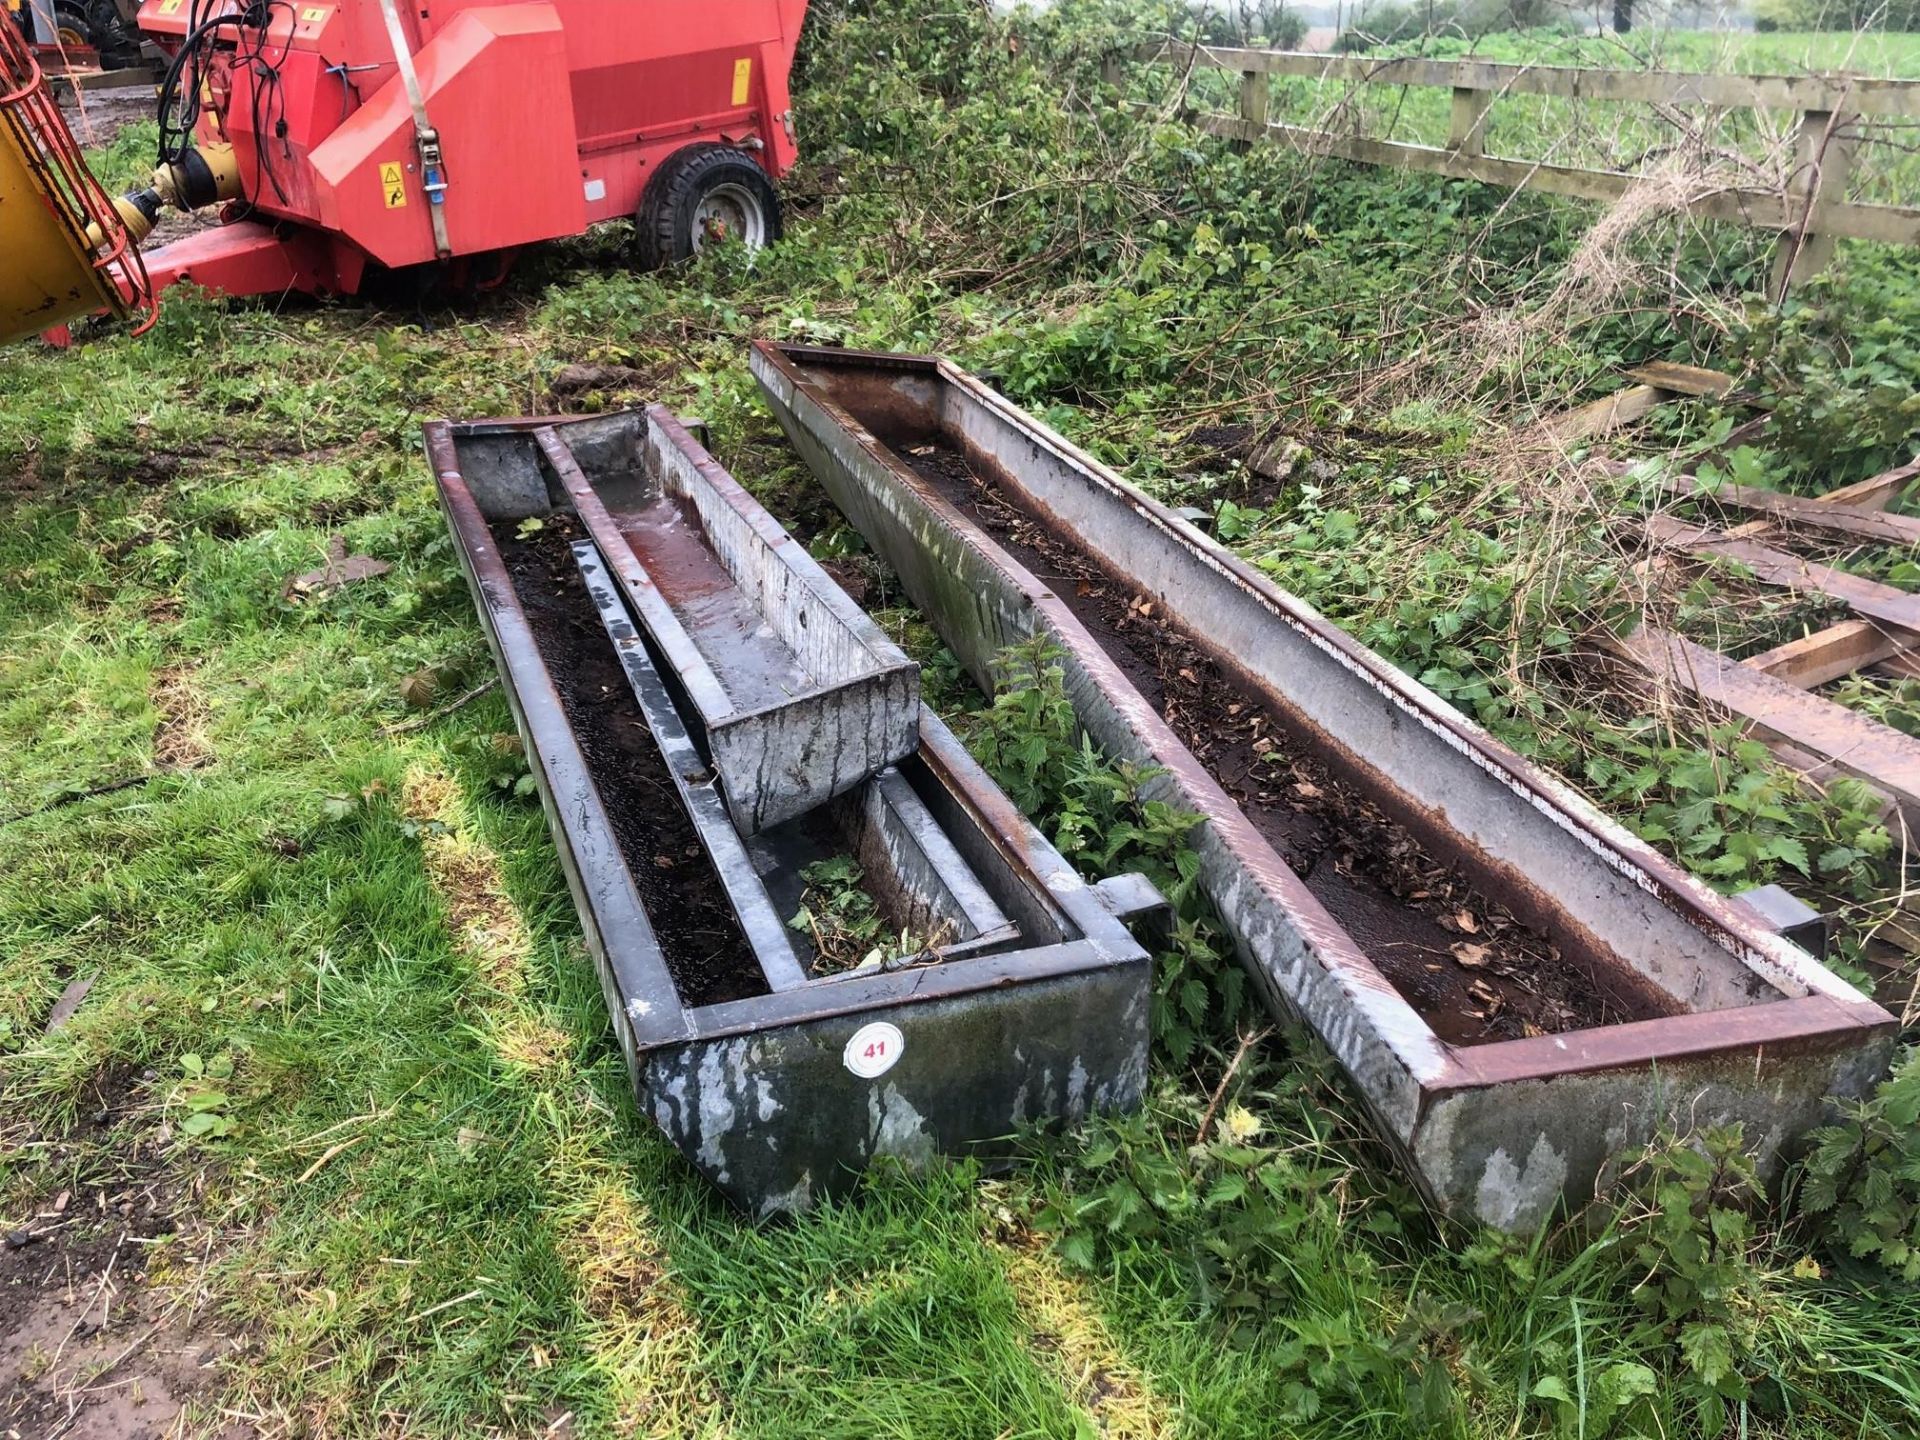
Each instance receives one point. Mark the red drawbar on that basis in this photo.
(248, 258)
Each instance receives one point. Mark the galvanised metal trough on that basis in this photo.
(1519, 989)
(905, 855)
(1024, 997)
(796, 694)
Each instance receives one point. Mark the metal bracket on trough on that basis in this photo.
(1670, 1004)
(1137, 902)
(1795, 920)
(1025, 999)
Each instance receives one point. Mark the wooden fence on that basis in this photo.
(1810, 212)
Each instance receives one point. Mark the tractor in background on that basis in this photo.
(82, 28)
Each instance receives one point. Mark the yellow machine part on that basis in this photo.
(49, 276)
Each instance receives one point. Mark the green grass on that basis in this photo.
(438, 1211)
(1890, 56)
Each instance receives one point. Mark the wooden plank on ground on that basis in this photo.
(1660, 382)
(1777, 711)
(1867, 598)
(1855, 522)
(1681, 379)
(1827, 655)
(1876, 492)
(1605, 415)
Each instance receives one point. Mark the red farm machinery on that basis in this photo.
(346, 137)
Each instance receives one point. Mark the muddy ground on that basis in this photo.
(96, 117)
(104, 1334)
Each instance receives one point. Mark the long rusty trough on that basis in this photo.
(1023, 997)
(1519, 989)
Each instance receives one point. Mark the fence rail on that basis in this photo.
(1810, 212)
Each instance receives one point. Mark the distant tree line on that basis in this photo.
(1242, 22)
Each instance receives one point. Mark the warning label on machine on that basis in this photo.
(393, 184)
(742, 80)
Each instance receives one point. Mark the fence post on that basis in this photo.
(1256, 97)
(1822, 161)
(1467, 134)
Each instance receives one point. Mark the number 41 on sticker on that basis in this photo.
(873, 1050)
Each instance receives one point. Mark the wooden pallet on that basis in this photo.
(1771, 692)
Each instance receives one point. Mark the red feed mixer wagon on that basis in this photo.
(344, 135)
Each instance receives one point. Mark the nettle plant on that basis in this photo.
(1261, 1204)
(1099, 815)
(1862, 1177)
(1694, 1246)
(1685, 1251)
(1735, 817)
(839, 914)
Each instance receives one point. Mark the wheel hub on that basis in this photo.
(729, 212)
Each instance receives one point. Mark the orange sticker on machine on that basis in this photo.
(315, 14)
(742, 80)
(393, 184)
(171, 7)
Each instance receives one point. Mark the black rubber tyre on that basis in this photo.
(74, 24)
(702, 194)
(114, 36)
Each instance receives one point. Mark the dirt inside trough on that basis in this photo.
(705, 949)
(92, 1345)
(1474, 971)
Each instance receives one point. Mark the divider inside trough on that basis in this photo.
(700, 938)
